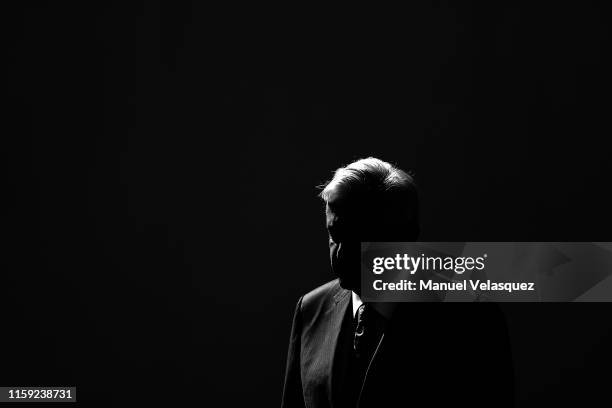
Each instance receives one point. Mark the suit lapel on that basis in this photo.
(379, 352)
(371, 367)
(336, 317)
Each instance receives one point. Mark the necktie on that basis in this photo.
(368, 330)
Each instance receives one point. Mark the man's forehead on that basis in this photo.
(343, 202)
(340, 207)
(336, 200)
(333, 207)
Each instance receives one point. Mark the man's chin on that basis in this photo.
(349, 284)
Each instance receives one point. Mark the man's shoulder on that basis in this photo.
(323, 292)
(324, 295)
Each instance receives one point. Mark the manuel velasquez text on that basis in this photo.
(471, 284)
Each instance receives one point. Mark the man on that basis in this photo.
(343, 353)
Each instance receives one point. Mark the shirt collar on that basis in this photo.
(356, 303)
(385, 309)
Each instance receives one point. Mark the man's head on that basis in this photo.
(368, 200)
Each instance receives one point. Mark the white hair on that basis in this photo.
(371, 176)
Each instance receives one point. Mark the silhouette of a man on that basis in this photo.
(344, 353)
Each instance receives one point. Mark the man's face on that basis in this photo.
(345, 232)
(352, 220)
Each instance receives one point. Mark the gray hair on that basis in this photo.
(371, 176)
(383, 189)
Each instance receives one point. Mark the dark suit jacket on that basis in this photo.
(431, 354)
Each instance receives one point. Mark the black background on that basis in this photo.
(161, 160)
